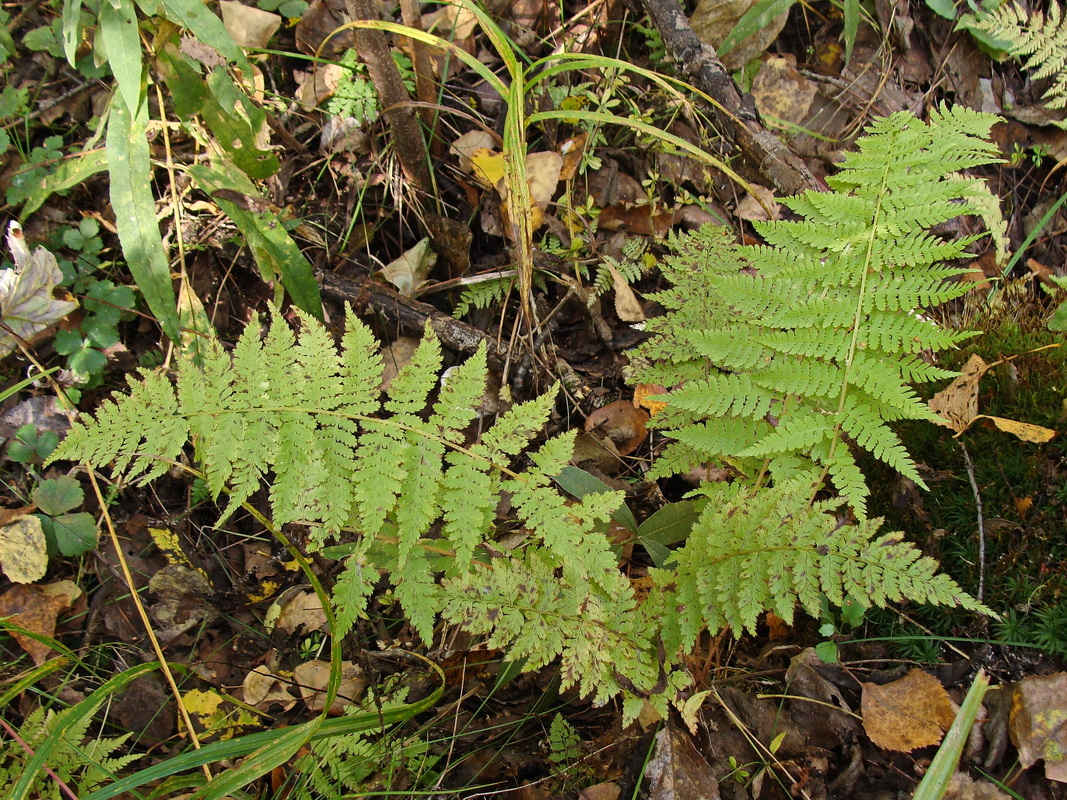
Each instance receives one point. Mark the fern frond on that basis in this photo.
(750, 552)
(1039, 38)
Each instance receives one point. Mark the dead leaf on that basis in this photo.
(262, 689)
(408, 272)
(249, 26)
(957, 403)
(713, 20)
(487, 166)
(622, 422)
(1023, 430)
(312, 677)
(299, 611)
(781, 92)
(23, 549)
(1038, 723)
(643, 394)
(677, 770)
(182, 601)
(36, 611)
(31, 298)
(467, 145)
(912, 712)
(754, 206)
(627, 306)
(397, 356)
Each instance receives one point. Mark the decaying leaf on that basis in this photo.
(643, 394)
(1038, 723)
(627, 306)
(408, 272)
(912, 712)
(957, 403)
(31, 298)
(249, 26)
(23, 549)
(677, 770)
(262, 689)
(36, 608)
(313, 676)
(621, 422)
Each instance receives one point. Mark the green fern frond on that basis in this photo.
(750, 552)
(1039, 38)
(815, 335)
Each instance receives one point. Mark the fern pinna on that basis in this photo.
(776, 354)
(781, 355)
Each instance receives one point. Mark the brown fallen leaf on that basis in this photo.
(957, 403)
(622, 422)
(313, 676)
(1038, 723)
(912, 712)
(677, 770)
(627, 306)
(35, 610)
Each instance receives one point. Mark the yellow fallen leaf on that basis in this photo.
(488, 166)
(1024, 430)
(23, 549)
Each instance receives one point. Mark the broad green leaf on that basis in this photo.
(578, 483)
(69, 172)
(671, 524)
(135, 213)
(1058, 320)
(72, 534)
(943, 8)
(58, 495)
(273, 248)
(194, 16)
(755, 19)
(117, 25)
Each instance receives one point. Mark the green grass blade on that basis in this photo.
(852, 26)
(244, 745)
(130, 168)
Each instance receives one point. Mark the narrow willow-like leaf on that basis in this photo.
(130, 168)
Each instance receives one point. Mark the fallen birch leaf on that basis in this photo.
(23, 549)
(35, 610)
(906, 714)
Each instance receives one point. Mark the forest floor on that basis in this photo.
(406, 244)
